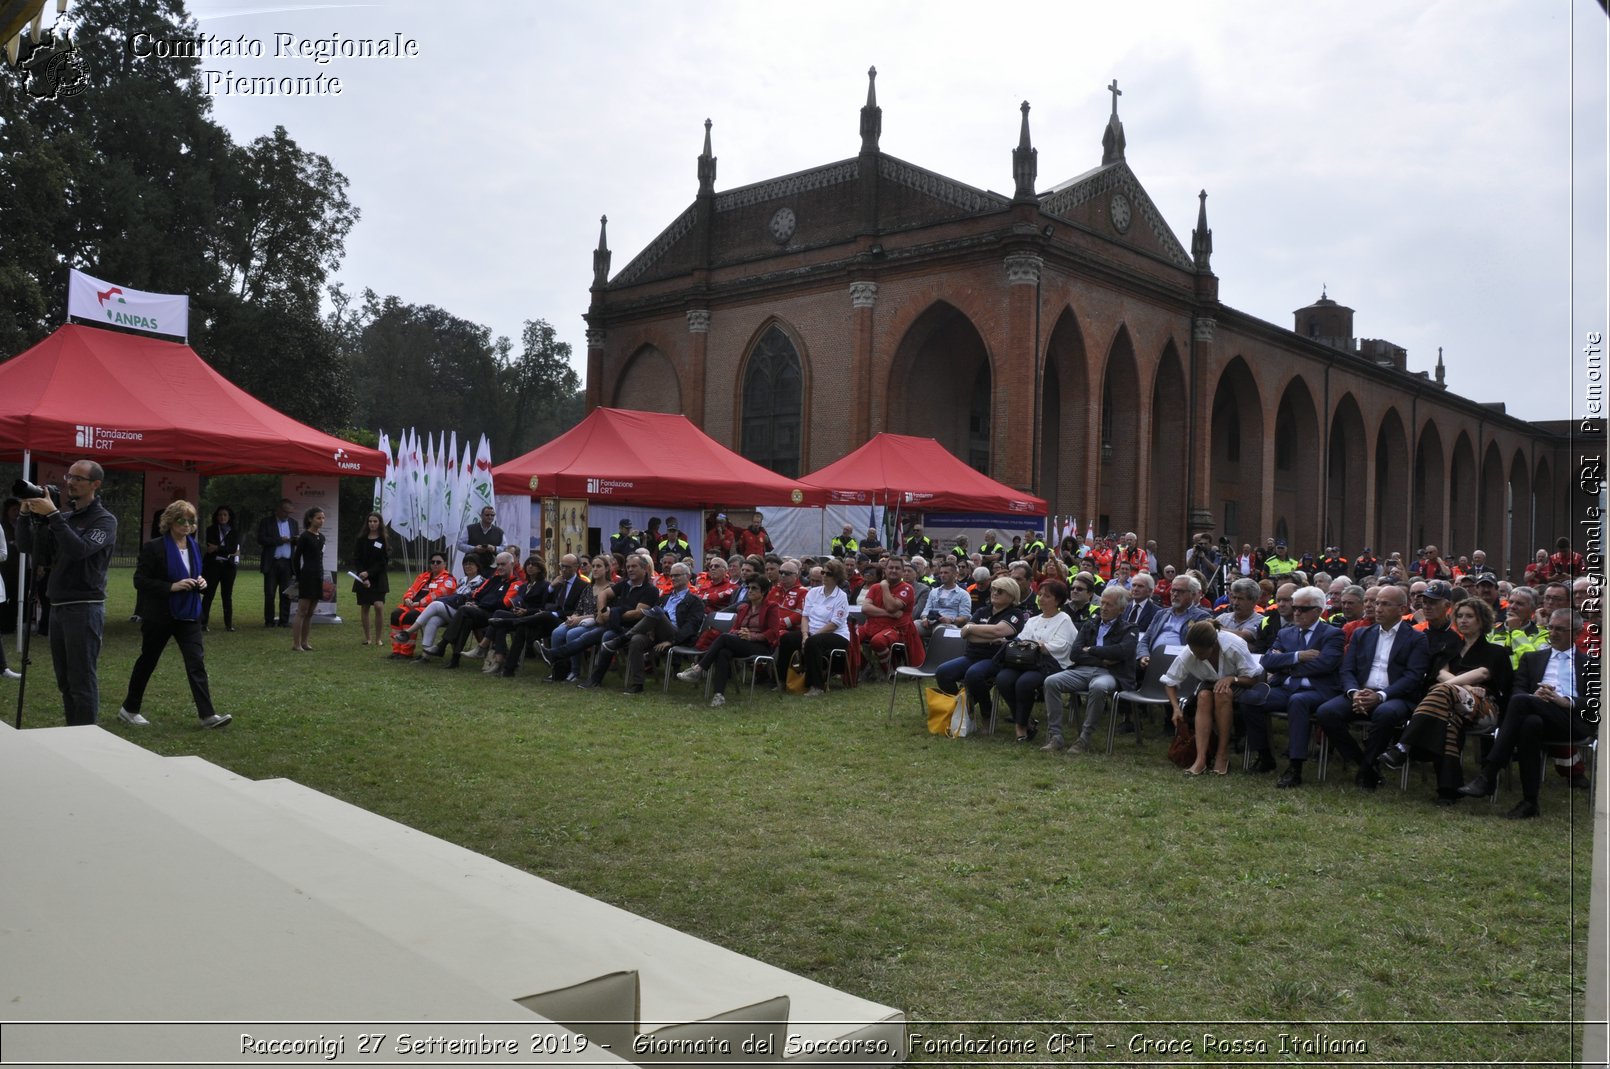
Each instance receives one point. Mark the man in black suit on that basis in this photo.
(563, 594)
(1141, 606)
(1304, 670)
(1548, 703)
(1103, 664)
(276, 535)
(673, 622)
(1383, 675)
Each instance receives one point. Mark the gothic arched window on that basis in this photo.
(773, 397)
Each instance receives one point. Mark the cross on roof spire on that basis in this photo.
(1116, 93)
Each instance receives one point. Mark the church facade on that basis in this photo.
(1063, 341)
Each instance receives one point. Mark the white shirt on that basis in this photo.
(1561, 672)
(1055, 635)
(1379, 679)
(1234, 660)
(822, 608)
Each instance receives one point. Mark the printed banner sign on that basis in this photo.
(96, 301)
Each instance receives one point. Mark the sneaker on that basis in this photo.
(718, 701)
(691, 675)
(815, 692)
(542, 651)
(1055, 745)
(476, 653)
(1080, 745)
(9, 674)
(494, 663)
(216, 720)
(1395, 757)
(611, 645)
(134, 719)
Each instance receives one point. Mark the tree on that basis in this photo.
(420, 366)
(539, 393)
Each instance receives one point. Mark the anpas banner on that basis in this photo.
(107, 303)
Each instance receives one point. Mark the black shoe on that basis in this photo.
(1395, 757)
(1263, 763)
(1523, 810)
(1126, 728)
(587, 684)
(1445, 800)
(635, 690)
(1477, 787)
(452, 662)
(1292, 777)
(554, 679)
(1579, 782)
(1367, 778)
(542, 651)
(228, 628)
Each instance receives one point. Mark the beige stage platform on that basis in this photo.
(141, 893)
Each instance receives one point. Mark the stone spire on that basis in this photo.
(1202, 237)
(707, 164)
(601, 254)
(1442, 372)
(871, 114)
(1112, 139)
(1025, 162)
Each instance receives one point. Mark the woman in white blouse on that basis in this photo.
(824, 627)
(1053, 634)
(1214, 661)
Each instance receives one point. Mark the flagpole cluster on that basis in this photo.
(431, 490)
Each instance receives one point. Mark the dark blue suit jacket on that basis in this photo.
(1405, 668)
(1324, 673)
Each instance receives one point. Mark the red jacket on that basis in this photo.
(754, 543)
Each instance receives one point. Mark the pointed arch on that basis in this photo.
(1346, 514)
(1545, 516)
(1167, 474)
(1513, 552)
(772, 400)
(1430, 502)
(1118, 491)
(1236, 458)
(1063, 417)
(1296, 503)
(1392, 487)
(1493, 503)
(1462, 491)
(941, 384)
(648, 383)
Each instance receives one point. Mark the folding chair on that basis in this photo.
(722, 622)
(1151, 692)
(946, 645)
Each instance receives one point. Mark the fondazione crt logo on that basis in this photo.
(88, 437)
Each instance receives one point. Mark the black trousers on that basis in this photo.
(1528, 724)
(220, 579)
(718, 658)
(154, 636)
(813, 652)
(467, 620)
(276, 577)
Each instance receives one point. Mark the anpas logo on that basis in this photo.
(304, 492)
(123, 319)
(342, 461)
(88, 437)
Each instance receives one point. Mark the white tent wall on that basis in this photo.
(797, 532)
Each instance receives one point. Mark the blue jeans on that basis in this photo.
(977, 673)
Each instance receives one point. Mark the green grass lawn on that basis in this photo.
(960, 881)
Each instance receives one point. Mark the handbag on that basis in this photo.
(1182, 747)
(962, 722)
(940, 708)
(1020, 654)
(795, 681)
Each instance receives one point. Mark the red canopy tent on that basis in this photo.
(645, 458)
(128, 401)
(918, 474)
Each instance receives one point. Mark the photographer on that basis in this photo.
(78, 545)
(1202, 557)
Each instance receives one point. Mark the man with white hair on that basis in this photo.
(1303, 668)
(1168, 628)
(1103, 663)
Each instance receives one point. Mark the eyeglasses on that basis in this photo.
(437, 560)
(1307, 608)
(191, 522)
(70, 477)
(788, 572)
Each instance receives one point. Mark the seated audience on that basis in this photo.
(755, 632)
(992, 625)
(1304, 671)
(1100, 664)
(823, 628)
(1215, 662)
(1052, 634)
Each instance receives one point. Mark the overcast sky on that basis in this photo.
(1430, 163)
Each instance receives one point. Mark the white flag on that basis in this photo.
(405, 522)
(482, 476)
(386, 482)
(463, 491)
(107, 303)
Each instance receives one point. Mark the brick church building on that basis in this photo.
(1064, 341)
